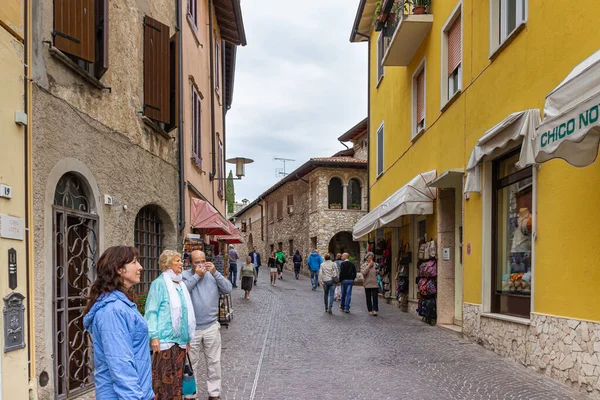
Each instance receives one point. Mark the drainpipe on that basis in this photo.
(368, 118)
(212, 96)
(180, 131)
(343, 144)
(262, 220)
(28, 190)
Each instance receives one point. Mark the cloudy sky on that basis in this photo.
(299, 85)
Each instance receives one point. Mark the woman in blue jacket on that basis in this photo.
(120, 335)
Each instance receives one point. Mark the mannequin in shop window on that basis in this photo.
(521, 243)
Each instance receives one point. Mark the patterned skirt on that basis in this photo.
(167, 373)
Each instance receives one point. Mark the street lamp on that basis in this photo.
(240, 165)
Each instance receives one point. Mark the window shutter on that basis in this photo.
(380, 151)
(196, 127)
(174, 80)
(101, 63)
(74, 28)
(454, 47)
(421, 96)
(156, 70)
(290, 200)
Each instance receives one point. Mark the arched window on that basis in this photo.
(335, 192)
(354, 195)
(149, 241)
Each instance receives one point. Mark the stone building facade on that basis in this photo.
(314, 207)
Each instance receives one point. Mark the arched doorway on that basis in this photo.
(75, 243)
(342, 242)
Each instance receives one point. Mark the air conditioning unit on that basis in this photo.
(290, 209)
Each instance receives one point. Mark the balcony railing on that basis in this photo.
(404, 30)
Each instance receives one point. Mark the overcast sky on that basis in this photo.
(299, 85)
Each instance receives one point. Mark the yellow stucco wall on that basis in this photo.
(517, 77)
(14, 375)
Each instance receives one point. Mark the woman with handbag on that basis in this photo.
(248, 275)
(369, 271)
(120, 334)
(328, 278)
(171, 325)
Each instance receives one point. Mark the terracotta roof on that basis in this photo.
(341, 160)
(304, 169)
(356, 131)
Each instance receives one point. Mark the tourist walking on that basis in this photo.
(206, 284)
(233, 267)
(369, 271)
(297, 259)
(122, 367)
(280, 262)
(347, 277)
(248, 275)
(328, 278)
(314, 264)
(256, 261)
(272, 265)
(171, 323)
(338, 261)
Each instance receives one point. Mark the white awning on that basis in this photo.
(571, 127)
(517, 127)
(414, 198)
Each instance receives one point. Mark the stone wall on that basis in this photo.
(99, 136)
(565, 349)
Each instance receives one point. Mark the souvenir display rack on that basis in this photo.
(426, 281)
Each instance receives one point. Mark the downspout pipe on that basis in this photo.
(211, 46)
(180, 130)
(28, 189)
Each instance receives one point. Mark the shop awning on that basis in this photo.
(516, 128)
(449, 179)
(414, 198)
(571, 127)
(204, 216)
(234, 238)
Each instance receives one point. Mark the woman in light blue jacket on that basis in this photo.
(120, 334)
(171, 326)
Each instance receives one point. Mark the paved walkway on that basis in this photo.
(282, 345)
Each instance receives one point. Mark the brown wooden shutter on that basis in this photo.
(156, 70)
(454, 47)
(101, 63)
(74, 28)
(290, 200)
(174, 84)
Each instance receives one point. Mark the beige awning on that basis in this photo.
(449, 179)
(414, 198)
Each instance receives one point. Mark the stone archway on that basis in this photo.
(342, 242)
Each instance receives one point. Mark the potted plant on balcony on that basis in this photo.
(335, 206)
(353, 206)
(420, 6)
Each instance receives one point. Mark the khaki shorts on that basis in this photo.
(273, 270)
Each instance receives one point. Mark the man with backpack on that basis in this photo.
(280, 261)
(314, 264)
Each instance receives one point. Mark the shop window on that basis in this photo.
(335, 193)
(354, 194)
(148, 239)
(511, 236)
(380, 52)
(380, 152)
(506, 17)
(419, 100)
(452, 54)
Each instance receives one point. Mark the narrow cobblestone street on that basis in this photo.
(282, 345)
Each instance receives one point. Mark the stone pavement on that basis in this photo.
(282, 345)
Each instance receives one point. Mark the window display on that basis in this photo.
(512, 236)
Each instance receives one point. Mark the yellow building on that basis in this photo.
(456, 92)
(16, 340)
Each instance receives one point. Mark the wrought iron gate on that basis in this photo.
(75, 255)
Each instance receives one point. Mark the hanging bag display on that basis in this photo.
(423, 251)
(432, 249)
(428, 268)
(188, 384)
(405, 254)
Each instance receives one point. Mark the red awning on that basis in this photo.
(204, 216)
(234, 238)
